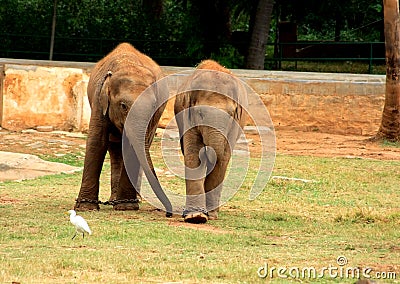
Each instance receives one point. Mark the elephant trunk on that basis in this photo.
(139, 129)
(132, 142)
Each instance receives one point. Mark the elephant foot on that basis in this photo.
(84, 205)
(125, 205)
(212, 215)
(196, 217)
(113, 196)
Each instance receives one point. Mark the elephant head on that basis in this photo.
(118, 93)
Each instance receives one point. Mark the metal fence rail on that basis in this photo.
(370, 52)
(88, 49)
(176, 53)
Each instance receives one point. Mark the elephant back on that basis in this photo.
(212, 65)
(124, 58)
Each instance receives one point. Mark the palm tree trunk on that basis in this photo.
(259, 35)
(390, 125)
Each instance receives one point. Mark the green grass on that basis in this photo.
(388, 143)
(352, 209)
(69, 159)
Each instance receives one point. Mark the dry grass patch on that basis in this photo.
(351, 210)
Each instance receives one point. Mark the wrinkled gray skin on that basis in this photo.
(115, 83)
(227, 118)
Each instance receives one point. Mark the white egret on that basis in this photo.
(80, 224)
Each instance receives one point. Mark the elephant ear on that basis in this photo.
(104, 94)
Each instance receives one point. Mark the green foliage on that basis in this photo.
(183, 34)
(317, 20)
(229, 57)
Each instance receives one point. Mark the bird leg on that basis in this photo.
(74, 235)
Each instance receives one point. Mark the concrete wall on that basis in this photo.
(332, 103)
(36, 93)
(40, 93)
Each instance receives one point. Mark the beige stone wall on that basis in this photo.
(332, 103)
(37, 93)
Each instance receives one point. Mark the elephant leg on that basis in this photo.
(195, 208)
(96, 149)
(126, 195)
(214, 180)
(116, 161)
(213, 188)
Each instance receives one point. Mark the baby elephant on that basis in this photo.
(116, 82)
(210, 113)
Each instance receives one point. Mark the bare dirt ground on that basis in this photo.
(59, 144)
(54, 143)
(289, 142)
(20, 153)
(334, 145)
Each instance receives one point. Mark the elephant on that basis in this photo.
(114, 85)
(212, 105)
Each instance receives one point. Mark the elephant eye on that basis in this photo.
(124, 107)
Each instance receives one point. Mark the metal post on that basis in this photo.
(2, 75)
(370, 58)
(53, 30)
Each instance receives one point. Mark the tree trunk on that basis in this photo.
(259, 35)
(390, 125)
(214, 21)
(153, 8)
